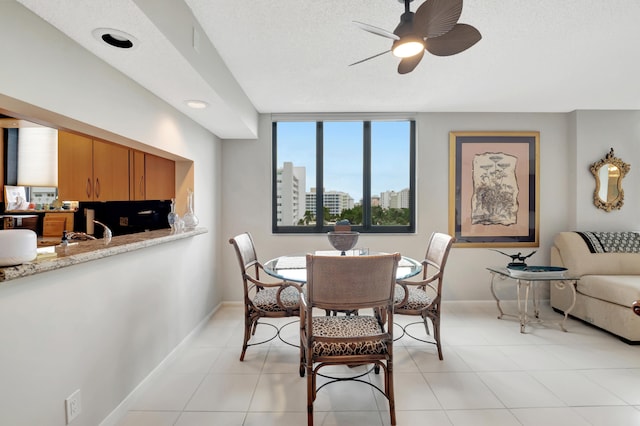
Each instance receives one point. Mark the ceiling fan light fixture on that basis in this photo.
(407, 46)
(433, 28)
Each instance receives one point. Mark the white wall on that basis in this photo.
(599, 131)
(102, 326)
(568, 145)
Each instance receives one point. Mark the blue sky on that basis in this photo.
(343, 154)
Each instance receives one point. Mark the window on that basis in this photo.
(326, 171)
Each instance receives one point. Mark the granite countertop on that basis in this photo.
(56, 257)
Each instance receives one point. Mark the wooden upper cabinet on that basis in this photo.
(160, 178)
(136, 175)
(110, 172)
(95, 170)
(75, 167)
(91, 170)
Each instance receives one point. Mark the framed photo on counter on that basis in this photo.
(15, 198)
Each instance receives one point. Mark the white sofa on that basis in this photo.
(609, 281)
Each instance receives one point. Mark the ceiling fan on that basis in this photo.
(433, 27)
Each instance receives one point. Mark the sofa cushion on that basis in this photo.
(619, 289)
(576, 256)
(612, 242)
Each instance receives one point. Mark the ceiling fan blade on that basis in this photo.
(377, 31)
(408, 64)
(459, 39)
(370, 57)
(437, 17)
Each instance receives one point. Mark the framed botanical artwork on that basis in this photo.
(494, 188)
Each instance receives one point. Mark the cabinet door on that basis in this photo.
(160, 178)
(137, 175)
(110, 172)
(75, 167)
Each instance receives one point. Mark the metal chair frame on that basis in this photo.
(251, 270)
(343, 284)
(433, 267)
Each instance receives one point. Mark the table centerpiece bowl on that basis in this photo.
(343, 240)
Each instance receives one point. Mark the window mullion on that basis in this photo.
(274, 176)
(412, 175)
(366, 175)
(319, 175)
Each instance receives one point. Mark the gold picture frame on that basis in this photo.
(494, 188)
(608, 174)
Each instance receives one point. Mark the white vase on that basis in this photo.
(190, 219)
(173, 217)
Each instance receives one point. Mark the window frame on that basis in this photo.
(366, 226)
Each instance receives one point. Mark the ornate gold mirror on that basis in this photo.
(609, 173)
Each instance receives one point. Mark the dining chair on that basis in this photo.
(423, 297)
(262, 299)
(344, 283)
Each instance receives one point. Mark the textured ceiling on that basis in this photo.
(290, 56)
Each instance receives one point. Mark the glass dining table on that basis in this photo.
(294, 267)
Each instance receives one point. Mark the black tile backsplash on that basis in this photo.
(125, 217)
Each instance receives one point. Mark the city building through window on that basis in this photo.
(327, 171)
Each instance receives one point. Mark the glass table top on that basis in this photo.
(294, 267)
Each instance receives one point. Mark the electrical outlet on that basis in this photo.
(73, 406)
(124, 221)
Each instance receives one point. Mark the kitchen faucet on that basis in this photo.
(107, 232)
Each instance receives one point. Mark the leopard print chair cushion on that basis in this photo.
(418, 298)
(347, 326)
(266, 299)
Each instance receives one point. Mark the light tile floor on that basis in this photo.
(491, 375)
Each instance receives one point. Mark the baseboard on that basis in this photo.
(121, 410)
(233, 304)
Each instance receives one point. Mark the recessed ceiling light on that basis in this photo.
(195, 104)
(115, 38)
